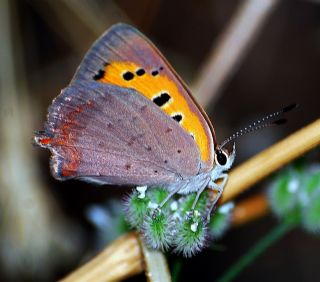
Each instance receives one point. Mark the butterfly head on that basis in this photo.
(224, 158)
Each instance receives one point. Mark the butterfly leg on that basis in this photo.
(219, 189)
(197, 197)
(203, 187)
(158, 209)
(192, 211)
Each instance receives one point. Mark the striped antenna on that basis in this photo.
(267, 121)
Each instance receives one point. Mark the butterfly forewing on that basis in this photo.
(123, 56)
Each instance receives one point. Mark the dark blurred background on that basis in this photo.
(45, 232)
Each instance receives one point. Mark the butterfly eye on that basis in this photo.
(221, 158)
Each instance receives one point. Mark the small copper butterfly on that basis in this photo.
(127, 118)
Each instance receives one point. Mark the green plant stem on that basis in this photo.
(156, 267)
(275, 234)
(176, 270)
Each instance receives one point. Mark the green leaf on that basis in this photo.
(283, 193)
(220, 221)
(311, 215)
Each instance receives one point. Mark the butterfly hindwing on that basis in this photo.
(114, 135)
(123, 56)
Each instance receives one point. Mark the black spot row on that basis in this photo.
(162, 99)
(177, 117)
(128, 75)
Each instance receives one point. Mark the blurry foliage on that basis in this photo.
(295, 192)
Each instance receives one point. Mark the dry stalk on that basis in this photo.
(232, 46)
(250, 209)
(121, 259)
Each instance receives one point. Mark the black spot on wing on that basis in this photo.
(177, 117)
(143, 108)
(128, 166)
(155, 73)
(140, 72)
(101, 144)
(128, 75)
(162, 99)
(99, 75)
(131, 141)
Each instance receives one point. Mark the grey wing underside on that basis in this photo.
(113, 135)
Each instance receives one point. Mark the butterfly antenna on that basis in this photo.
(267, 121)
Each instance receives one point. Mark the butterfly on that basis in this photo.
(127, 118)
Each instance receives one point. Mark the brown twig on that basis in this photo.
(240, 179)
(250, 209)
(122, 259)
(233, 45)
